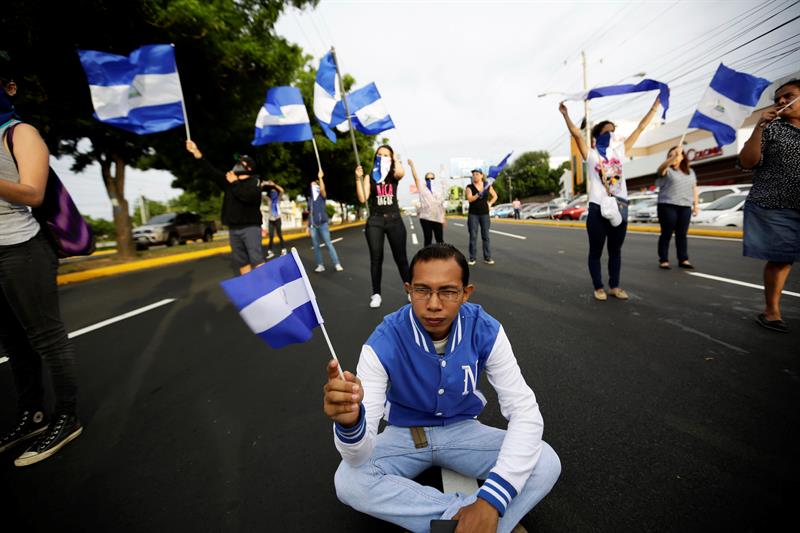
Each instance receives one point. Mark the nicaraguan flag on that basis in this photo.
(140, 93)
(276, 301)
(729, 100)
(627, 88)
(282, 118)
(495, 171)
(367, 111)
(326, 94)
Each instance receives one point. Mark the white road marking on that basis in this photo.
(334, 241)
(457, 224)
(110, 321)
(414, 238)
(454, 482)
(507, 234)
(699, 333)
(737, 282)
(129, 314)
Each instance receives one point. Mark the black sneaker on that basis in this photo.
(29, 424)
(62, 429)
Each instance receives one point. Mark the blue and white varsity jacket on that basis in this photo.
(406, 382)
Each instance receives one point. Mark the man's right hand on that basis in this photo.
(341, 399)
(192, 148)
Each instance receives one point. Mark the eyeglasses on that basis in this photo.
(445, 295)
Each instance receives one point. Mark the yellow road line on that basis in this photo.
(154, 262)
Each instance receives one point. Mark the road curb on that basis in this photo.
(145, 264)
(729, 234)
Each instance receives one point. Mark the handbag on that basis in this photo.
(59, 218)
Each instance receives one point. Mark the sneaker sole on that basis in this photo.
(22, 439)
(44, 455)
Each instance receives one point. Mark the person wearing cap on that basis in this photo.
(241, 208)
(481, 198)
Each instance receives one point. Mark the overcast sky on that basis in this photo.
(461, 78)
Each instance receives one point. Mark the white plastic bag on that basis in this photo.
(610, 210)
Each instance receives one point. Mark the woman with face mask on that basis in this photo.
(379, 190)
(431, 211)
(677, 202)
(31, 329)
(318, 224)
(604, 165)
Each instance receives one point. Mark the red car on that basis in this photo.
(573, 211)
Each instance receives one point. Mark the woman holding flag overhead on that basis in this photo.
(431, 211)
(379, 190)
(607, 189)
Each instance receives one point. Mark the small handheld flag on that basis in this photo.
(495, 171)
(140, 93)
(282, 118)
(729, 100)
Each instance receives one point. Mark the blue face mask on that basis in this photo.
(602, 141)
(380, 168)
(428, 182)
(7, 111)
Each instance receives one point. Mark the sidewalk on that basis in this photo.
(155, 262)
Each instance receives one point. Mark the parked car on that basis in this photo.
(706, 194)
(573, 210)
(172, 229)
(727, 211)
(502, 211)
(644, 211)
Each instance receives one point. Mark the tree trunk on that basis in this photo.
(115, 187)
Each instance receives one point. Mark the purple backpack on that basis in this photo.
(58, 216)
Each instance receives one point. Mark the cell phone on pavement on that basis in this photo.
(443, 526)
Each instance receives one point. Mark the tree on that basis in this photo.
(208, 208)
(153, 208)
(101, 228)
(530, 175)
(227, 54)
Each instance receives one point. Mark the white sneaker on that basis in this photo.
(471, 262)
(283, 251)
(320, 268)
(338, 268)
(375, 301)
(270, 255)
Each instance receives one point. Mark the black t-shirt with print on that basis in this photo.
(383, 197)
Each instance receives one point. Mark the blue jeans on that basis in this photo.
(322, 232)
(383, 487)
(473, 223)
(599, 228)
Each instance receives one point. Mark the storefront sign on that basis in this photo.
(698, 155)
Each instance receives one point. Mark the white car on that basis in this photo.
(644, 211)
(706, 194)
(727, 211)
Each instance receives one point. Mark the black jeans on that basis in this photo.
(600, 229)
(275, 226)
(391, 226)
(431, 229)
(473, 223)
(673, 218)
(31, 330)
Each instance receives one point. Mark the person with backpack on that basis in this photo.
(31, 329)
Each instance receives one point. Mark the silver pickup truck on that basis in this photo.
(172, 229)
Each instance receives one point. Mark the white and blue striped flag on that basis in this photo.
(495, 170)
(367, 111)
(326, 95)
(282, 118)
(276, 301)
(727, 102)
(626, 88)
(140, 93)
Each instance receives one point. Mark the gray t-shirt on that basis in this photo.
(676, 188)
(17, 224)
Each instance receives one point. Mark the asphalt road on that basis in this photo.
(673, 411)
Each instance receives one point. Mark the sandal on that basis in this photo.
(774, 325)
(664, 265)
(686, 264)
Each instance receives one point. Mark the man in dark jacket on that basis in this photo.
(241, 208)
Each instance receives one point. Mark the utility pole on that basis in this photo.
(142, 209)
(510, 196)
(587, 132)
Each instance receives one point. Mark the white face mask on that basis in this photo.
(314, 191)
(381, 168)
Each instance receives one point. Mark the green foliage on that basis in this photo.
(154, 207)
(208, 208)
(530, 175)
(330, 210)
(103, 229)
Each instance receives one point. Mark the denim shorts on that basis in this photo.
(246, 246)
(771, 234)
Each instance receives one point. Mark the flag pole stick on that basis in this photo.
(333, 353)
(183, 102)
(346, 107)
(316, 152)
(789, 104)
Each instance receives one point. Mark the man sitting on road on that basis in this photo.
(419, 370)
